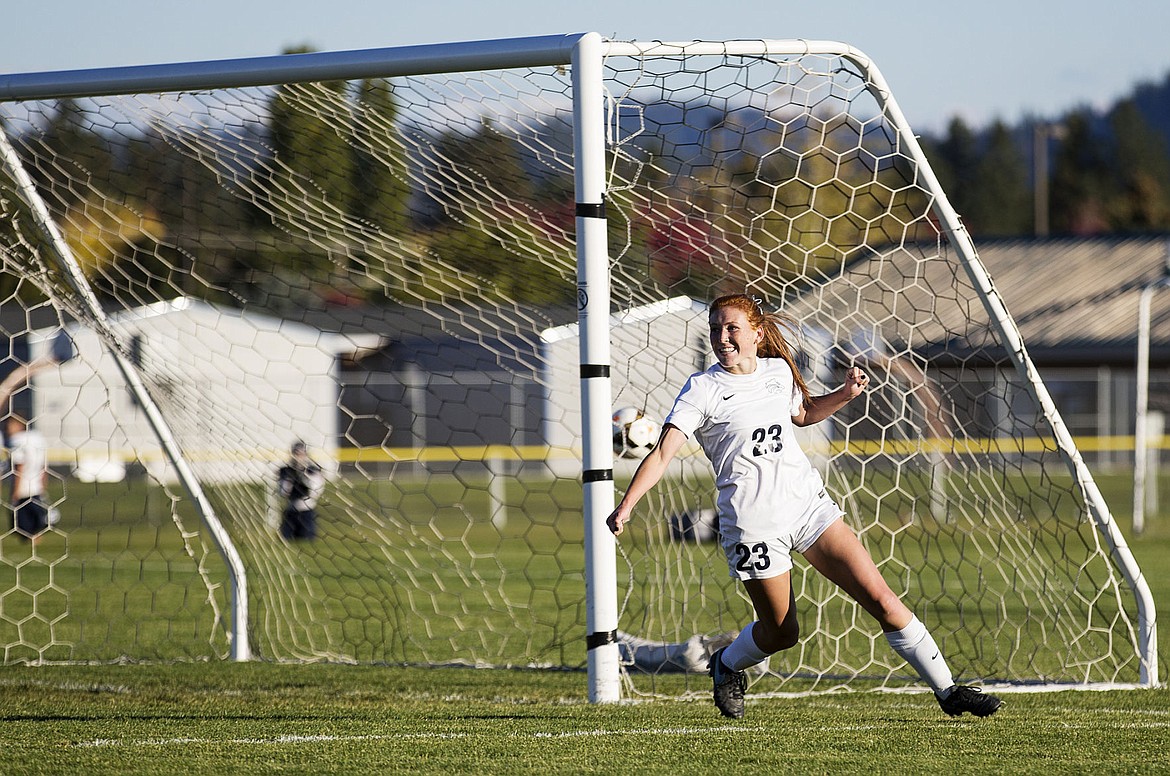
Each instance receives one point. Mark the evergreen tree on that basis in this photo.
(960, 154)
(12, 214)
(932, 148)
(999, 201)
(1142, 172)
(311, 182)
(490, 200)
(309, 127)
(81, 150)
(1081, 179)
(380, 174)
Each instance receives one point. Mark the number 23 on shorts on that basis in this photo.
(752, 557)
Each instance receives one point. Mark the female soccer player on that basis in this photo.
(771, 501)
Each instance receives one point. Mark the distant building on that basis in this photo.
(1075, 303)
(224, 379)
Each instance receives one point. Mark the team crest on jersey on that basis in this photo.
(774, 386)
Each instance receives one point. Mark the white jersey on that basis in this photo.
(27, 450)
(767, 486)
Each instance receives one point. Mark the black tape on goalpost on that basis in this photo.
(600, 639)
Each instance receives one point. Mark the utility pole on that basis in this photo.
(1042, 132)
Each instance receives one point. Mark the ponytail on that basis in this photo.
(774, 325)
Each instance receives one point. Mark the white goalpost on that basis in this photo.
(444, 268)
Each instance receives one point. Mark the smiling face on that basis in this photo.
(734, 341)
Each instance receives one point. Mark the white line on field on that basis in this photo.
(1125, 712)
(1115, 726)
(275, 740)
(651, 731)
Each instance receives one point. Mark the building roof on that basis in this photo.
(446, 339)
(1074, 300)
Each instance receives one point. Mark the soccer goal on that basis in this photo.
(443, 268)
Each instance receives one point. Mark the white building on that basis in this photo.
(235, 388)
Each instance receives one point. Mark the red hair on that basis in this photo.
(774, 344)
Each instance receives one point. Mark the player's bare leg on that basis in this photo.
(776, 628)
(840, 556)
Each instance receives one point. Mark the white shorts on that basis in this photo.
(772, 557)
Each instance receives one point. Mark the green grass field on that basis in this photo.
(263, 717)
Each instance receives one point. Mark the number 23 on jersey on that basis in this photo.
(767, 440)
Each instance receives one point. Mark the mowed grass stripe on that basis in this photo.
(312, 739)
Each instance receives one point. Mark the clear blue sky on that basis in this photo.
(995, 58)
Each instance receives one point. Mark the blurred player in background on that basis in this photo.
(27, 455)
(300, 482)
(772, 502)
(29, 462)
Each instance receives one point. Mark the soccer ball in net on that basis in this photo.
(634, 434)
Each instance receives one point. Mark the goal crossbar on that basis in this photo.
(371, 63)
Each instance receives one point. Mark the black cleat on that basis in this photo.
(729, 686)
(970, 699)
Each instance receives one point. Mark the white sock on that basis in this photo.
(743, 652)
(915, 645)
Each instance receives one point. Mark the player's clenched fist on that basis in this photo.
(617, 521)
(856, 381)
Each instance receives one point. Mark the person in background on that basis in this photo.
(300, 482)
(29, 462)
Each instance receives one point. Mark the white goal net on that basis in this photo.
(378, 256)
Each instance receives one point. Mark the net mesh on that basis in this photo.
(385, 269)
